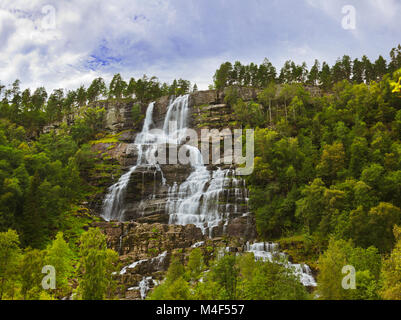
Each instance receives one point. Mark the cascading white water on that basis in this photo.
(147, 142)
(114, 200)
(156, 262)
(197, 200)
(144, 286)
(270, 252)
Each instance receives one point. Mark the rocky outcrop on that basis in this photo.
(203, 98)
(147, 193)
(118, 114)
(145, 252)
(199, 98)
(146, 241)
(146, 249)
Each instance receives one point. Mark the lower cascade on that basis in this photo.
(197, 200)
(206, 199)
(270, 252)
(144, 286)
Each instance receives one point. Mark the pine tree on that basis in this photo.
(96, 89)
(9, 258)
(31, 273)
(325, 77)
(96, 265)
(313, 75)
(222, 76)
(33, 225)
(60, 256)
(395, 56)
(357, 71)
(391, 271)
(380, 68)
(369, 70)
(117, 87)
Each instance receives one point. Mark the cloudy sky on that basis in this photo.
(66, 43)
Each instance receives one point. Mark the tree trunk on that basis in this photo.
(285, 109)
(2, 288)
(270, 111)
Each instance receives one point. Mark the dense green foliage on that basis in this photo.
(322, 75)
(327, 163)
(97, 265)
(34, 110)
(367, 263)
(39, 182)
(229, 277)
(43, 175)
(327, 170)
(391, 273)
(44, 179)
(22, 275)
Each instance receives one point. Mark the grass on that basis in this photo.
(109, 139)
(301, 248)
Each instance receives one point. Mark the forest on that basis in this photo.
(327, 177)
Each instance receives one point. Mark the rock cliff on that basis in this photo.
(145, 240)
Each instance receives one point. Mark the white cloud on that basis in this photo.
(178, 38)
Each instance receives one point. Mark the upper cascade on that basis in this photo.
(203, 199)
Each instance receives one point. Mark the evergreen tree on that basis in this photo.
(357, 71)
(391, 272)
(31, 274)
(96, 264)
(395, 56)
(81, 96)
(369, 70)
(60, 256)
(9, 259)
(33, 223)
(380, 68)
(117, 87)
(96, 89)
(325, 77)
(222, 76)
(313, 75)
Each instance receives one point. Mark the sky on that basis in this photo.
(67, 43)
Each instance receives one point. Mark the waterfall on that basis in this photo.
(201, 199)
(114, 200)
(196, 201)
(156, 262)
(270, 252)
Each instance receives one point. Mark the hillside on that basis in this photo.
(80, 191)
